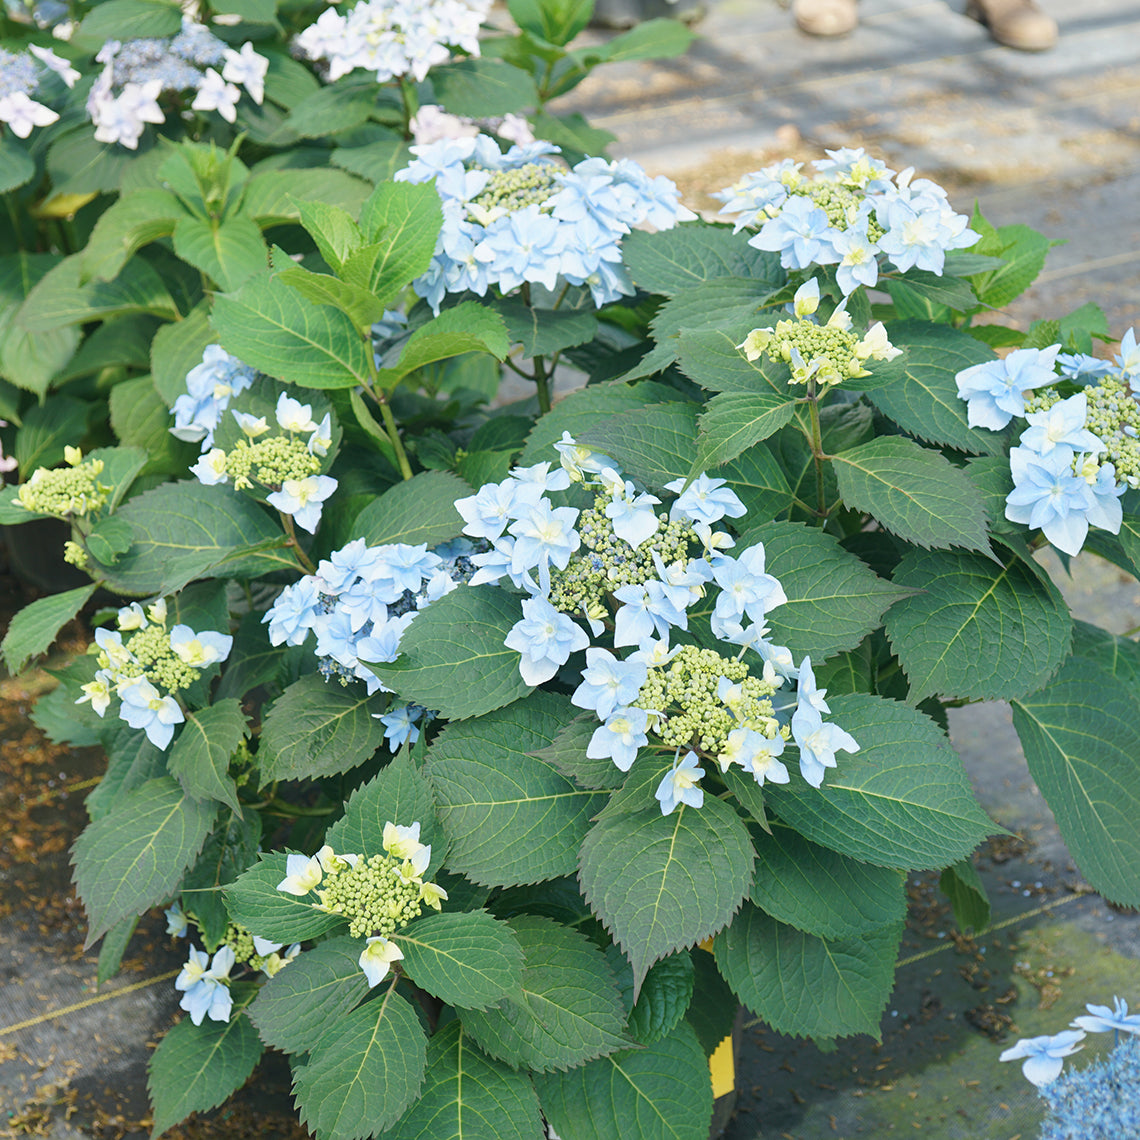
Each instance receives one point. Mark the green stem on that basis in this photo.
(411, 103)
(542, 382)
(394, 435)
(517, 370)
(817, 452)
(562, 295)
(294, 545)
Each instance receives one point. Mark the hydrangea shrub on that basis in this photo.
(462, 733)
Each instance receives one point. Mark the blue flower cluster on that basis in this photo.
(359, 604)
(1079, 453)
(209, 388)
(853, 213)
(522, 217)
(561, 555)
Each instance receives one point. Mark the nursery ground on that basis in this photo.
(1049, 140)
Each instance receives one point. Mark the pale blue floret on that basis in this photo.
(680, 785)
(1081, 367)
(623, 733)
(544, 638)
(1044, 1056)
(705, 500)
(800, 234)
(176, 922)
(818, 743)
(206, 991)
(647, 612)
(608, 683)
(143, 706)
(1062, 424)
(994, 390)
(401, 725)
(745, 588)
(1102, 1018)
(1047, 495)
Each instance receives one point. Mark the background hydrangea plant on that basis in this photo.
(602, 683)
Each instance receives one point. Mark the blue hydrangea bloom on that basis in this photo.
(994, 391)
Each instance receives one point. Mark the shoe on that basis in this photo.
(825, 17)
(1015, 23)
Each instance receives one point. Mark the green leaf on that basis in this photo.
(469, 960)
(47, 430)
(834, 598)
(200, 758)
(375, 161)
(483, 88)
(420, 509)
(17, 167)
(661, 1092)
(113, 947)
(822, 892)
(364, 1072)
(975, 628)
(59, 299)
(230, 250)
(940, 289)
(230, 851)
(903, 800)
(319, 728)
(1119, 655)
(733, 421)
(758, 481)
(135, 220)
(573, 133)
(399, 794)
(805, 986)
(332, 109)
(962, 884)
(542, 332)
(452, 657)
(189, 520)
(664, 998)
(710, 357)
(360, 306)
(141, 418)
(650, 39)
(149, 18)
(468, 1096)
(467, 327)
(268, 326)
(923, 397)
(29, 361)
(1081, 736)
(1023, 250)
(35, 627)
(132, 761)
(511, 818)
(296, 1006)
(195, 1067)
(254, 901)
(402, 221)
(176, 349)
(653, 444)
(663, 882)
(585, 409)
(555, 21)
(336, 233)
(134, 856)
(692, 254)
(568, 754)
(712, 1012)
(271, 198)
(568, 1011)
(915, 493)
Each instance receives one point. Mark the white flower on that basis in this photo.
(247, 68)
(23, 114)
(216, 94)
(376, 959)
(57, 64)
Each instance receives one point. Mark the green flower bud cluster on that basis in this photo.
(694, 715)
(510, 190)
(146, 652)
(840, 202)
(829, 353)
(1114, 417)
(605, 563)
(240, 941)
(375, 895)
(65, 491)
(270, 461)
(75, 555)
